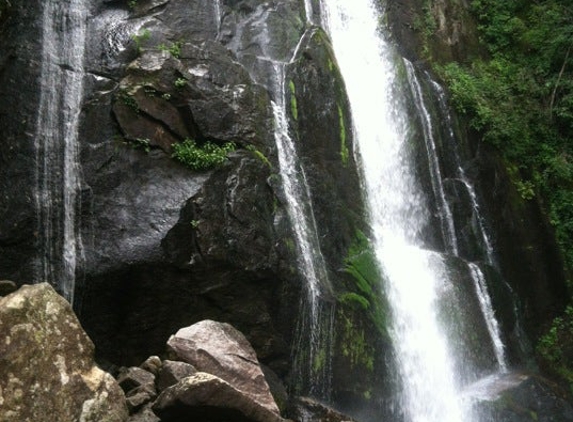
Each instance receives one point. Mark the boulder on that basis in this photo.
(152, 364)
(305, 409)
(138, 385)
(144, 415)
(172, 372)
(47, 371)
(219, 349)
(207, 397)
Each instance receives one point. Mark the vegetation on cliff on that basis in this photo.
(520, 98)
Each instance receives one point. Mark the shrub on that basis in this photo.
(201, 157)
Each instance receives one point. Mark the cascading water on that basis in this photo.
(444, 211)
(313, 341)
(311, 261)
(57, 174)
(446, 215)
(415, 278)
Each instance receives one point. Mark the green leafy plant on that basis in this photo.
(142, 37)
(132, 3)
(142, 143)
(126, 98)
(201, 157)
(180, 82)
(519, 98)
(174, 49)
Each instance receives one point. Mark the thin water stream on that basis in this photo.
(57, 174)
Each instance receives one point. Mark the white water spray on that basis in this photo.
(57, 174)
(397, 213)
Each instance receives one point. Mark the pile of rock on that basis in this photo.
(213, 375)
(210, 374)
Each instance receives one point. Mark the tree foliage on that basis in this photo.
(520, 98)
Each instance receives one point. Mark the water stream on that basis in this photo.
(413, 276)
(57, 173)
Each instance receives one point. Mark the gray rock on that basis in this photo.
(207, 397)
(172, 372)
(152, 364)
(221, 350)
(522, 397)
(134, 377)
(43, 349)
(139, 387)
(144, 415)
(305, 409)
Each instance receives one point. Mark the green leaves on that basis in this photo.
(520, 99)
(201, 157)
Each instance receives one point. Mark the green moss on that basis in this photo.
(293, 103)
(127, 98)
(362, 265)
(344, 153)
(353, 298)
(354, 344)
(259, 155)
(319, 361)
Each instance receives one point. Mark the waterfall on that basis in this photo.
(413, 277)
(462, 177)
(444, 211)
(311, 261)
(217, 15)
(446, 216)
(487, 310)
(309, 11)
(57, 172)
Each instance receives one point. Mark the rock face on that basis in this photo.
(221, 350)
(47, 370)
(524, 398)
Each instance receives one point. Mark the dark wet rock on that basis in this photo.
(322, 129)
(44, 348)
(139, 387)
(221, 350)
(134, 377)
(521, 397)
(305, 409)
(152, 364)
(172, 372)
(144, 415)
(207, 397)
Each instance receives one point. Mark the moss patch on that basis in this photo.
(362, 265)
(293, 103)
(344, 153)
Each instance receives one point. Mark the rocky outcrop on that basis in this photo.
(47, 371)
